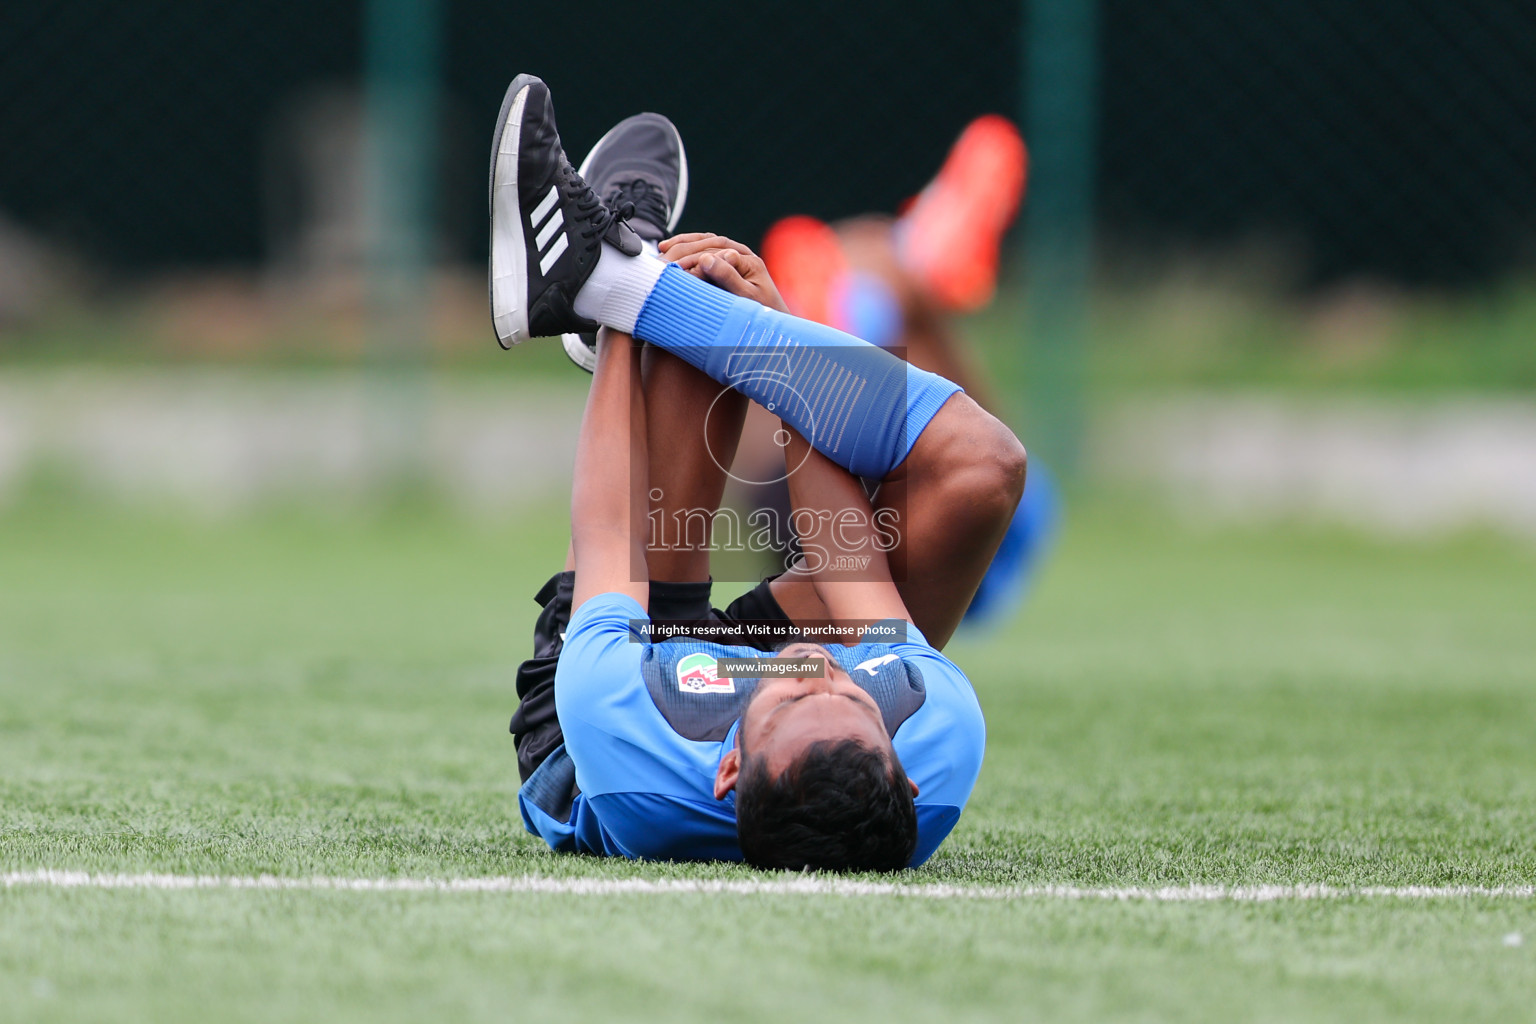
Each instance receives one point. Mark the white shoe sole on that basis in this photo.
(577, 349)
(509, 256)
(574, 347)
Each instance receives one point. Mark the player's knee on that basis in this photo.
(1009, 464)
(986, 467)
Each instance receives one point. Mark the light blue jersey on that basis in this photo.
(646, 725)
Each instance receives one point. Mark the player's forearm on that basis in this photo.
(608, 491)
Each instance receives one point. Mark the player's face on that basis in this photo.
(788, 715)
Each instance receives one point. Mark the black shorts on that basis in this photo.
(535, 727)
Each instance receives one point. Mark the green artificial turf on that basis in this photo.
(301, 695)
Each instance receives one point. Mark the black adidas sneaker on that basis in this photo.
(546, 223)
(640, 161)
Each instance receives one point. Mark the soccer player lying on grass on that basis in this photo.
(639, 749)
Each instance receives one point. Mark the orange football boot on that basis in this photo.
(805, 259)
(950, 237)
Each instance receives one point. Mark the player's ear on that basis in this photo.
(725, 775)
(914, 788)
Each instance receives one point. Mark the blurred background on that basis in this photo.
(273, 503)
(1277, 259)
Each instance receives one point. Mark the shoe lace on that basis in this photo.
(599, 216)
(648, 201)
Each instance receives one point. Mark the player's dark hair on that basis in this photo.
(841, 806)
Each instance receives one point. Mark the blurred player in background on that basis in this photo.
(897, 281)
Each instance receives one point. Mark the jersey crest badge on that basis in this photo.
(697, 673)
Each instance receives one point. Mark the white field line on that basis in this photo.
(786, 887)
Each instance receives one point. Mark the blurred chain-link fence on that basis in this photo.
(1385, 137)
(1391, 137)
(1221, 193)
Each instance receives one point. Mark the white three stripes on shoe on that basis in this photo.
(549, 229)
(554, 253)
(545, 205)
(537, 218)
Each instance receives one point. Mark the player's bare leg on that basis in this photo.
(951, 498)
(954, 493)
(954, 496)
(693, 428)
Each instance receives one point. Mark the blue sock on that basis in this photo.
(857, 404)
